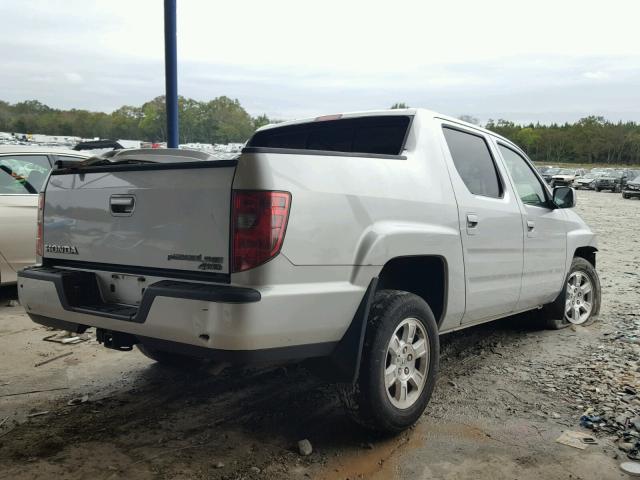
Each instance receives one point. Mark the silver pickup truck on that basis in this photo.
(354, 240)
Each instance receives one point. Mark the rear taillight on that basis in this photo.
(39, 234)
(259, 222)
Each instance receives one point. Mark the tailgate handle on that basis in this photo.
(122, 204)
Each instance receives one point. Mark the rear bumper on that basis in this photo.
(240, 324)
(78, 291)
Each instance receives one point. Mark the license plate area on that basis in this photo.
(122, 288)
(83, 292)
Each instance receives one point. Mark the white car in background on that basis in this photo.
(566, 176)
(23, 171)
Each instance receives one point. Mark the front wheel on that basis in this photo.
(579, 301)
(399, 364)
(625, 196)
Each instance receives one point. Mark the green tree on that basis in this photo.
(261, 121)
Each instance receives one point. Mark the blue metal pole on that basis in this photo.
(171, 72)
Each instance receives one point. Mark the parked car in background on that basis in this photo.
(586, 181)
(610, 180)
(23, 171)
(543, 169)
(549, 173)
(628, 175)
(565, 177)
(432, 225)
(632, 188)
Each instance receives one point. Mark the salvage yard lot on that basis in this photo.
(506, 391)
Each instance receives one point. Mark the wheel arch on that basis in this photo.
(422, 275)
(588, 253)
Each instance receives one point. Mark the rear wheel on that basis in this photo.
(579, 301)
(399, 364)
(169, 359)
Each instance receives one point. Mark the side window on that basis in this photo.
(23, 174)
(529, 188)
(474, 163)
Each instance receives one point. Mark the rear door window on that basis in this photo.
(473, 161)
(383, 135)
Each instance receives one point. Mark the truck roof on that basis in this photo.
(384, 112)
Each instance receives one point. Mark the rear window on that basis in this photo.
(382, 135)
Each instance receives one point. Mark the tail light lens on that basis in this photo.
(40, 232)
(259, 224)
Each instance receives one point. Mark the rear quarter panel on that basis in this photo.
(362, 212)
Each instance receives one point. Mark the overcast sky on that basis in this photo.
(546, 60)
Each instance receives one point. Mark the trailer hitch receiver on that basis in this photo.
(116, 340)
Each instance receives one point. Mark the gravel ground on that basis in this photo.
(507, 390)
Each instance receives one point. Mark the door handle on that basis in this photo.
(531, 225)
(472, 220)
(122, 204)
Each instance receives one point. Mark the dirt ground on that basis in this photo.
(506, 391)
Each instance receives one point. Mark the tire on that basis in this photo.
(169, 359)
(596, 189)
(369, 402)
(554, 313)
(625, 196)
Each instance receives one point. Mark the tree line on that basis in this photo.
(589, 140)
(221, 120)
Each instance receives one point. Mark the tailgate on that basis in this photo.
(168, 216)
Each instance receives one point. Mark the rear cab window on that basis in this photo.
(376, 135)
(474, 162)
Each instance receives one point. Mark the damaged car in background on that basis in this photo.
(586, 181)
(565, 177)
(23, 171)
(632, 188)
(610, 180)
(549, 172)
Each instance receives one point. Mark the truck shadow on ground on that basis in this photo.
(256, 412)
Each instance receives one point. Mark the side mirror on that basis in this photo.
(564, 197)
